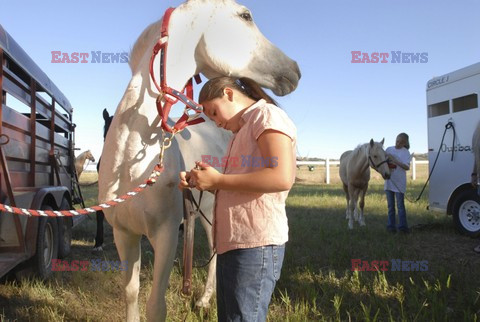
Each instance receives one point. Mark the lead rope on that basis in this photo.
(199, 211)
(152, 179)
(448, 126)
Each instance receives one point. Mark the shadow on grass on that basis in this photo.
(319, 254)
(21, 306)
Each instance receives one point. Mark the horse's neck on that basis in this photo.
(80, 160)
(182, 43)
(138, 103)
(362, 157)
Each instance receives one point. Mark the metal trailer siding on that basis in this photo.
(449, 175)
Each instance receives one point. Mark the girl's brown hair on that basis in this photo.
(405, 137)
(247, 86)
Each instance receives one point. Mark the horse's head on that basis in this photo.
(377, 158)
(226, 42)
(89, 156)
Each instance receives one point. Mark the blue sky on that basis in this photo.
(338, 104)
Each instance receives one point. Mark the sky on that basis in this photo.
(337, 105)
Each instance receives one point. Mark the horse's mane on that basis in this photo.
(358, 149)
(147, 38)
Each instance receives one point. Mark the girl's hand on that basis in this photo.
(204, 176)
(185, 178)
(392, 159)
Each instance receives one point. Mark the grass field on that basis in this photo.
(317, 282)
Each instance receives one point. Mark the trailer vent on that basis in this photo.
(438, 109)
(465, 103)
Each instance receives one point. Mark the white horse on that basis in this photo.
(80, 161)
(206, 36)
(355, 174)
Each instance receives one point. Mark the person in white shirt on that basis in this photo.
(395, 187)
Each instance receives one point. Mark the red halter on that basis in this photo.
(170, 95)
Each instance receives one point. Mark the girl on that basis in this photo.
(396, 186)
(250, 223)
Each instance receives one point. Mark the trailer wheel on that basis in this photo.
(47, 245)
(64, 231)
(466, 213)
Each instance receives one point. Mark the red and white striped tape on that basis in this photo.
(157, 171)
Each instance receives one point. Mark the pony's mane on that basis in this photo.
(359, 148)
(147, 38)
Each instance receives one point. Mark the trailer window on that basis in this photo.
(465, 103)
(17, 105)
(438, 109)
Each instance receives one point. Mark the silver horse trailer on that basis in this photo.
(453, 114)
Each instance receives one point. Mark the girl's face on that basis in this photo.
(400, 142)
(225, 111)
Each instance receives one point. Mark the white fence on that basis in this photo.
(327, 163)
(92, 166)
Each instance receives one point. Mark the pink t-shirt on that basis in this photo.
(246, 219)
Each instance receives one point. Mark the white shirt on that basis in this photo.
(398, 176)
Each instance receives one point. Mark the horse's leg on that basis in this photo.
(100, 217)
(99, 236)
(355, 197)
(351, 206)
(164, 244)
(128, 247)
(362, 204)
(210, 284)
(347, 196)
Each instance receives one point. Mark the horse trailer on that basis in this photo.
(453, 114)
(36, 164)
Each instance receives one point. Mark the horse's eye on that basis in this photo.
(246, 16)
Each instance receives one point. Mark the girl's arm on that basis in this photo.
(402, 165)
(277, 176)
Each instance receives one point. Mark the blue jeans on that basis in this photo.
(402, 215)
(246, 279)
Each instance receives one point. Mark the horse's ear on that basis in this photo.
(383, 140)
(105, 114)
(371, 143)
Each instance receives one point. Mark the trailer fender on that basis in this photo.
(454, 196)
(52, 196)
(464, 205)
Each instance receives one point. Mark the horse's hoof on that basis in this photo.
(202, 303)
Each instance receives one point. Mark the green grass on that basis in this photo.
(317, 282)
